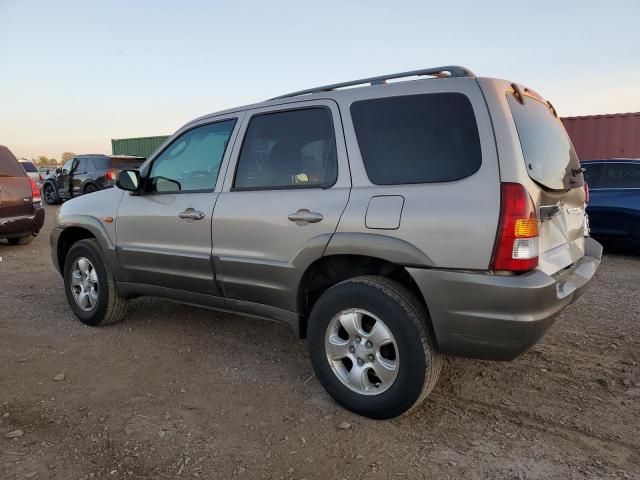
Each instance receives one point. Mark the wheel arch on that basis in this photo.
(329, 270)
(75, 229)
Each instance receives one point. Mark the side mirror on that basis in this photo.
(128, 180)
(59, 170)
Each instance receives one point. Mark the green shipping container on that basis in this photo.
(140, 147)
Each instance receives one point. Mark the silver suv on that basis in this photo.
(388, 224)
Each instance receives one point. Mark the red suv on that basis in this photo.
(21, 210)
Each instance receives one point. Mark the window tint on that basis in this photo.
(592, 174)
(417, 138)
(548, 153)
(620, 175)
(291, 149)
(66, 168)
(9, 166)
(100, 163)
(28, 167)
(84, 165)
(192, 161)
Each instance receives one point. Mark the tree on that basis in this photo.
(67, 156)
(43, 161)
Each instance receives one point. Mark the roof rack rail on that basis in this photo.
(446, 71)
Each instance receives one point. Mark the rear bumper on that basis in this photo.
(23, 225)
(478, 315)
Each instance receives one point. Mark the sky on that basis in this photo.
(75, 74)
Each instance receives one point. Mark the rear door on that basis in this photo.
(15, 188)
(557, 184)
(284, 192)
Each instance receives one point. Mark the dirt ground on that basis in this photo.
(180, 392)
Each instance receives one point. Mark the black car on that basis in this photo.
(86, 174)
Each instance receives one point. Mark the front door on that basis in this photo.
(281, 201)
(63, 178)
(164, 233)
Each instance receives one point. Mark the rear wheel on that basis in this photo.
(90, 188)
(50, 194)
(90, 286)
(20, 240)
(371, 347)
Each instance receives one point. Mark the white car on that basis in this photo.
(32, 171)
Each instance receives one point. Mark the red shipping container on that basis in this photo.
(605, 136)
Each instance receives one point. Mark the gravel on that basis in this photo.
(173, 382)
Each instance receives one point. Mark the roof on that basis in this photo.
(343, 88)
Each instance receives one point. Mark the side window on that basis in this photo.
(66, 168)
(84, 165)
(292, 149)
(417, 138)
(592, 174)
(192, 161)
(621, 175)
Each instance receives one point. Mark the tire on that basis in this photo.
(90, 188)
(109, 306)
(20, 240)
(417, 361)
(50, 194)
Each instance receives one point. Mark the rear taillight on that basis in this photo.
(516, 248)
(586, 193)
(35, 191)
(111, 175)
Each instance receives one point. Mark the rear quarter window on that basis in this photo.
(424, 138)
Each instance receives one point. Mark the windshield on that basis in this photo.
(548, 153)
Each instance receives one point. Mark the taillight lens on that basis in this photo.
(111, 175)
(586, 193)
(516, 248)
(35, 191)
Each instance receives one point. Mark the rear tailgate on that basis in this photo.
(15, 188)
(556, 182)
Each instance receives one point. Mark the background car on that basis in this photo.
(614, 204)
(21, 211)
(86, 174)
(32, 171)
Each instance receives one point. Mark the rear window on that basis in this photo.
(620, 175)
(417, 138)
(28, 167)
(9, 166)
(104, 163)
(592, 174)
(548, 153)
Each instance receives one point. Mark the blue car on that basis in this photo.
(614, 206)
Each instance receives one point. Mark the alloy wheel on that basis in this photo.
(84, 283)
(362, 351)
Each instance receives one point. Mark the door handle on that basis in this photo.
(190, 214)
(304, 216)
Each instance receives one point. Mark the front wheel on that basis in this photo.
(371, 347)
(90, 286)
(50, 194)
